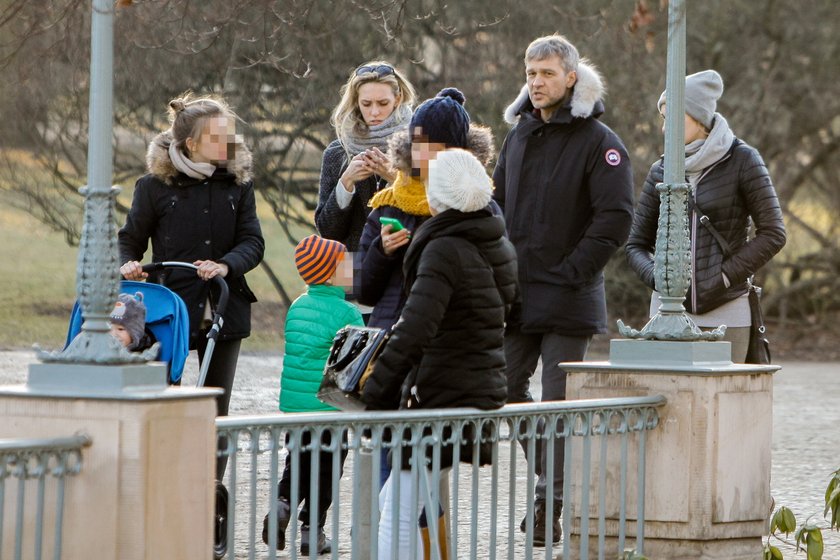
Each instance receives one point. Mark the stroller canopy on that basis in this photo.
(166, 319)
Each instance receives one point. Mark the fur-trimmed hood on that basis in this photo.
(479, 142)
(587, 92)
(159, 164)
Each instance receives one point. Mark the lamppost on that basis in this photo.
(708, 466)
(672, 258)
(97, 282)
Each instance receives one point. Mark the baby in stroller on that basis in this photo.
(156, 312)
(128, 322)
(156, 315)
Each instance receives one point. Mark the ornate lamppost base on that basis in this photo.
(670, 327)
(81, 351)
(670, 323)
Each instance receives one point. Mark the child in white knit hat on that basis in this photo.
(447, 348)
(458, 181)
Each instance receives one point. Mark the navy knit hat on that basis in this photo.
(442, 119)
(316, 258)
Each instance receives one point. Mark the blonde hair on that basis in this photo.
(188, 115)
(346, 118)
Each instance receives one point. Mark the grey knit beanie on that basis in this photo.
(458, 180)
(130, 312)
(702, 90)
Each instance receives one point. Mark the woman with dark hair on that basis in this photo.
(447, 348)
(438, 123)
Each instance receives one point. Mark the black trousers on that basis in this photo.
(220, 373)
(522, 352)
(325, 473)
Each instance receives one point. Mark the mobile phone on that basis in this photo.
(395, 224)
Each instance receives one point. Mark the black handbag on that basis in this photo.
(758, 351)
(352, 356)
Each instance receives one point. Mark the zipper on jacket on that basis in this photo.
(694, 229)
(693, 284)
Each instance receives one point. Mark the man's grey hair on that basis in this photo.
(553, 45)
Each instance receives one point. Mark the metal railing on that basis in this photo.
(484, 507)
(26, 467)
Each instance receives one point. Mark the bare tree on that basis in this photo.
(281, 63)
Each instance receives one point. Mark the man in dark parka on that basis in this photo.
(564, 182)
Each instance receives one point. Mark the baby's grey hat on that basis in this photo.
(130, 312)
(702, 90)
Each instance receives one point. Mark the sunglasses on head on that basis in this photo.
(380, 70)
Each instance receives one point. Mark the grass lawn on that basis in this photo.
(39, 272)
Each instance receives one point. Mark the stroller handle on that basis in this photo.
(218, 320)
(224, 291)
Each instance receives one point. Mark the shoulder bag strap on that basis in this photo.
(707, 223)
(754, 291)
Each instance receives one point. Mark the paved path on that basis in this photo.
(805, 441)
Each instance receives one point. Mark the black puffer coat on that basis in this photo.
(566, 190)
(461, 273)
(189, 219)
(730, 192)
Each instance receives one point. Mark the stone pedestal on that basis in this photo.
(146, 488)
(707, 490)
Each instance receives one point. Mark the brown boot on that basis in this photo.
(426, 539)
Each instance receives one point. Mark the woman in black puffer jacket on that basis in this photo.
(197, 205)
(731, 185)
(460, 273)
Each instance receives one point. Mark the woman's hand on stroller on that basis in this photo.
(210, 269)
(133, 270)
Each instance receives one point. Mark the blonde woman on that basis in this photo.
(375, 103)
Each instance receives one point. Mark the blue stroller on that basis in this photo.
(168, 322)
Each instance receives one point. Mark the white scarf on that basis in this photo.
(187, 166)
(700, 154)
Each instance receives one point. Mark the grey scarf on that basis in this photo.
(700, 154)
(187, 166)
(376, 136)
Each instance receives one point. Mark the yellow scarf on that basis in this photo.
(407, 193)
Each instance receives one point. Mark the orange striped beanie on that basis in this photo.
(316, 258)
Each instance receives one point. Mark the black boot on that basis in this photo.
(540, 525)
(284, 513)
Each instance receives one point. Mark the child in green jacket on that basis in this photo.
(311, 324)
